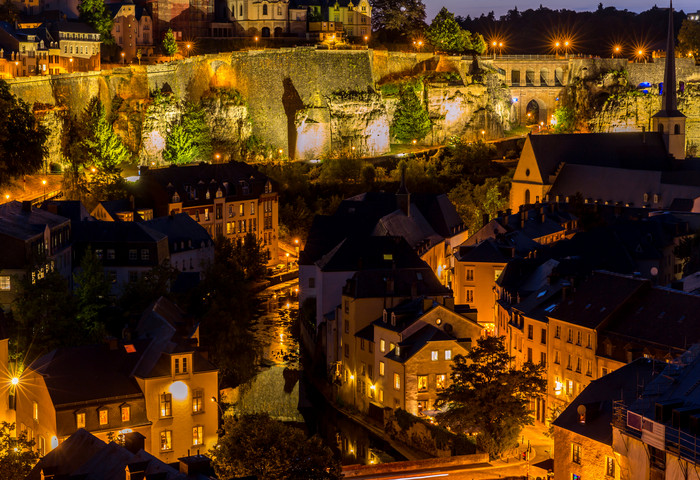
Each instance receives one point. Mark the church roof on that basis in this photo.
(669, 104)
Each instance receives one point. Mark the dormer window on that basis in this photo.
(384, 316)
(268, 187)
(181, 364)
(398, 351)
(393, 319)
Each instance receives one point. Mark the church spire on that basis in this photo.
(668, 101)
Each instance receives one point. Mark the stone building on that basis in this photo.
(132, 29)
(189, 19)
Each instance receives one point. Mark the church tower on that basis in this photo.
(669, 121)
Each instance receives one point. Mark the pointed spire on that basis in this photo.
(402, 186)
(668, 102)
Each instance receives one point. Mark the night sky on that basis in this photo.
(500, 7)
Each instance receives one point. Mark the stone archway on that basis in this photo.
(265, 32)
(537, 110)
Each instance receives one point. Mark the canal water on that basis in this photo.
(281, 390)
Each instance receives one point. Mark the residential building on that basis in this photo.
(655, 434)
(154, 384)
(188, 19)
(121, 211)
(132, 29)
(354, 17)
(34, 241)
(79, 46)
(127, 249)
(191, 249)
(266, 18)
(583, 432)
(83, 455)
(28, 51)
(229, 199)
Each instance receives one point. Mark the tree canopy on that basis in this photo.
(403, 17)
(189, 139)
(490, 397)
(17, 453)
(689, 38)
(411, 120)
(22, 137)
(256, 445)
(169, 44)
(98, 16)
(446, 35)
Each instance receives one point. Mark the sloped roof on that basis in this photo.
(16, 223)
(395, 282)
(414, 228)
(368, 253)
(97, 231)
(415, 343)
(180, 228)
(487, 251)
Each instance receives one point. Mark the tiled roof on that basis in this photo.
(369, 253)
(17, 223)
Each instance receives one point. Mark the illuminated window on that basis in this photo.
(434, 355)
(397, 381)
(252, 208)
(35, 411)
(176, 368)
(166, 440)
(422, 383)
(382, 345)
(576, 453)
(381, 369)
(241, 209)
(440, 381)
(448, 354)
(5, 282)
(80, 420)
(103, 416)
(166, 405)
(126, 413)
(197, 435)
(197, 400)
(610, 466)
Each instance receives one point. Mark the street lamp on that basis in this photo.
(500, 49)
(616, 51)
(123, 61)
(188, 49)
(256, 42)
(287, 258)
(296, 246)
(217, 156)
(43, 182)
(494, 44)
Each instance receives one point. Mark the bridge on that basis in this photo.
(536, 83)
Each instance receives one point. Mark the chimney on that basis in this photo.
(485, 218)
(427, 304)
(449, 302)
(134, 442)
(195, 465)
(26, 206)
(542, 214)
(523, 217)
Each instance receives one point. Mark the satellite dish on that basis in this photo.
(654, 271)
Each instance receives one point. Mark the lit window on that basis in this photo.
(104, 416)
(197, 400)
(440, 381)
(434, 355)
(35, 411)
(610, 466)
(166, 405)
(381, 369)
(241, 209)
(382, 345)
(448, 354)
(80, 420)
(126, 413)
(166, 440)
(176, 369)
(252, 208)
(576, 453)
(4, 282)
(422, 383)
(197, 435)
(42, 446)
(397, 381)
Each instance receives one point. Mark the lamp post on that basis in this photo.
(256, 43)
(616, 51)
(71, 64)
(43, 182)
(557, 44)
(123, 55)
(188, 49)
(296, 246)
(493, 48)
(286, 255)
(500, 49)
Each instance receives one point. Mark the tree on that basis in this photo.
(489, 397)
(405, 17)
(105, 153)
(179, 147)
(152, 285)
(256, 445)
(689, 38)
(565, 119)
(474, 201)
(169, 44)
(96, 14)
(190, 138)
(9, 12)
(17, 453)
(411, 120)
(92, 295)
(22, 137)
(445, 34)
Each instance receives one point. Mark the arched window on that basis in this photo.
(240, 10)
(677, 129)
(661, 128)
(527, 196)
(264, 9)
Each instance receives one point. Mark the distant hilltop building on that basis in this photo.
(645, 169)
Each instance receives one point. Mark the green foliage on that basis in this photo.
(444, 439)
(395, 87)
(227, 95)
(169, 44)
(138, 295)
(91, 290)
(411, 120)
(345, 166)
(689, 38)
(404, 17)
(22, 137)
(189, 139)
(99, 17)
(9, 12)
(565, 118)
(446, 35)
(17, 453)
(467, 159)
(490, 397)
(368, 174)
(256, 445)
(102, 150)
(474, 201)
(179, 146)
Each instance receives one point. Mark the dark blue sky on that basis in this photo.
(500, 7)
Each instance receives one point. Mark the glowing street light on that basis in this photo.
(43, 182)
(188, 48)
(123, 55)
(217, 156)
(616, 50)
(14, 381)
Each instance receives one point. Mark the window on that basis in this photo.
(434, 355)
(576, 453)
(252, 208)
(448, 354)
(42, 446)
(166, 405)
(35, 411)
(440, 381)
(469, 295)
(397, 381)
(570, 338)
(382, 345)
(578, 338)
(603, 371)
(241, 209)
(381, 369)
(197, 400)
(264, 10)
(589, 368)
(166, 440)
(557, 332)
(347, 326)
(4, 282)
(110, 254)
(184, 364)
(578, 365)
(145, 254)
(80, 420)
(103, 415)
(126, 413)
(197, 435)
(346, 349)
(543, 336)
(529, 354)
(362, 344)
(422, 383)
(470, 274)
(543, 358)
(530, 332)
(588, 341)
(609, 467)
(98, 253)
(568, 362)
(176, 368)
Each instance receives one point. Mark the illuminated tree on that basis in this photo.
(96, 14)
(189, 139)
(179, 147)
(258, 446)
(689, 38)
(169, 44)
(565, 119)
(17, 453)
(411, 120)
(489, 396)
(446, 35)
(22, 138)
(405, 17)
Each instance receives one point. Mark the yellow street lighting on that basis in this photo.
(14, 381)
(7, 196)
(43, 182)
(415, 141)
(217, 156)
(281, 151)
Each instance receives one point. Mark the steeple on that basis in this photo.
(669, 122)
(403, 198)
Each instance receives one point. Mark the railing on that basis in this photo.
(561, 56)
(676, 441)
